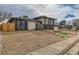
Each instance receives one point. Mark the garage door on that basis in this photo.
(31, 25)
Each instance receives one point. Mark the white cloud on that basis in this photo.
(55, 11)
(34, 10)
(76, 12)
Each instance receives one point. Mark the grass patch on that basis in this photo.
(63, 34)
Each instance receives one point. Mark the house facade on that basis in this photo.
(39, 23)
(44, 22)
(22, 23)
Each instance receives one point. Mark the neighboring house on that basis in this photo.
(23, 23)
(76, 22)
(44, 22)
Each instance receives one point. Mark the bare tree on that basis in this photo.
(4, 15)
(62, 23)
(75, 22)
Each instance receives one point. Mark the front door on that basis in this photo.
(22, 25)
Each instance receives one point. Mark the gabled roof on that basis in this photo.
(44, 17)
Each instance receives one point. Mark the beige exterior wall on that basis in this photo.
(42, 20)
(31, 25)
(46, 21)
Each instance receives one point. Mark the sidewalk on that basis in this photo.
(54, 49)
(74, 50)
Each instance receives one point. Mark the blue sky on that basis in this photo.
(59, 11)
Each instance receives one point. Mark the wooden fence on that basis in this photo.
(8, 27)
(0, 26)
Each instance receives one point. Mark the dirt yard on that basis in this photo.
(23, 42)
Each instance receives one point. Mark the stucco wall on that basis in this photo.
(47, 21)
(31, 25)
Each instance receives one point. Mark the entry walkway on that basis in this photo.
(56, 48)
